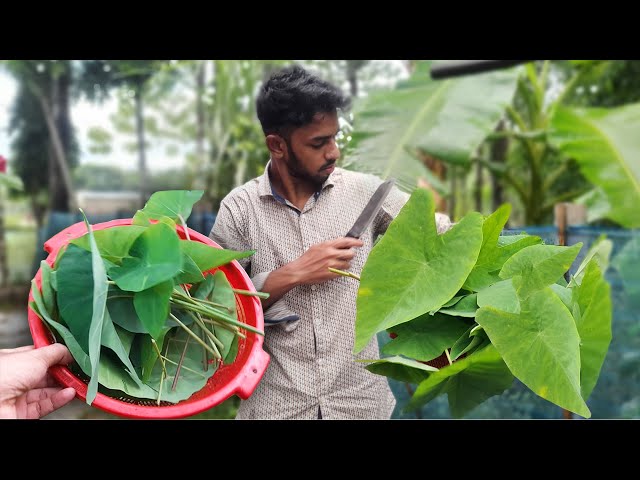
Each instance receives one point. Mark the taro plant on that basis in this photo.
(493, 307)
(145, 313)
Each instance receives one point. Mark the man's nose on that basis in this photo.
(333, 152)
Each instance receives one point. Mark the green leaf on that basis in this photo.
(600, 252)
(171, 203)
(461, 343)
(190, 273)
(426, 337)
(401, 369)
(467, 382)
(594, 326)
(111, 339)
(413, 270)
(605, 143)
(223, 295)
(501, 295)
(122, 310)
(69, 340)
(486, 264)
(462, 347)
(538, 266)
(75, 292)
(100, 288)
(208, 257)
(48, 294)
(464, 308)
(114, 243)
(148, 355)
(152, 307)
(496, 249)
(446, 118)
(155, 257)
(544, 330)
(193, 376)
(203, 289)
(113, 377)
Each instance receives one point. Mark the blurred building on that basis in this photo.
(101, 203)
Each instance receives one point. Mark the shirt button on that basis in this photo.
(313, 287)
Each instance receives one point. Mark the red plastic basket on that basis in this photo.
(238, 378)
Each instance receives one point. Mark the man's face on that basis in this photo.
(312, 151)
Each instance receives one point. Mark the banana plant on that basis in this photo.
(451, 120)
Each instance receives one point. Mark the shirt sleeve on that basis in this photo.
(227, 233)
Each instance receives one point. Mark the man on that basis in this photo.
(27, 391)
(295, 217)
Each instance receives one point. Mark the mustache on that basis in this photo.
(330, 164)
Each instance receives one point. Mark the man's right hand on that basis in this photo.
(313, 266)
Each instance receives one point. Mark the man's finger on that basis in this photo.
(50, 399)
(16, 350)
(54, 354)
(347, 242)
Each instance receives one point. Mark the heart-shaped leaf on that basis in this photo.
(154, 258)
(427, 269)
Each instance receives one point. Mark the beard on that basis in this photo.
(296, 170)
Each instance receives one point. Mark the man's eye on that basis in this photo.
(318, 145)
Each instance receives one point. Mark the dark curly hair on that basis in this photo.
(291, 97)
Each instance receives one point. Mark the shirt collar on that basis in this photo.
(265, 188)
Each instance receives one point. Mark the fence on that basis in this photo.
(617, 393)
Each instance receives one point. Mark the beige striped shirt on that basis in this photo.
(312, 362)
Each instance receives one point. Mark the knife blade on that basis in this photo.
(371, 209)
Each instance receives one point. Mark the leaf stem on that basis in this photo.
(193, 335)
(210, 312)
(345, 274)
(155, 345)
(249, 293)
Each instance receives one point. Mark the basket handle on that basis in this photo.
(253, 373)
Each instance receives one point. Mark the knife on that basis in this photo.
(371, 209)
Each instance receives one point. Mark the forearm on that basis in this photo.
(279, 282)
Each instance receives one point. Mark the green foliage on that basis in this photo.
(525, 321)
(603, 83)
(116, 298)
(42, 84)
(446, 119)
(555, 153)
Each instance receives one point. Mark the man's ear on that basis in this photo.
(276, 145)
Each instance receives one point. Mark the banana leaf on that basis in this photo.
(606, 145)
(447, 119)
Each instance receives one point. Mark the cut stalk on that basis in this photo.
(193, 335)
(249, 293)
(210, 312)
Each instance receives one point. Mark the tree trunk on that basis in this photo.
(142, 161)
(498, 155)
(452, 195)
(201, 166)
(58, 155)
(477, 190)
